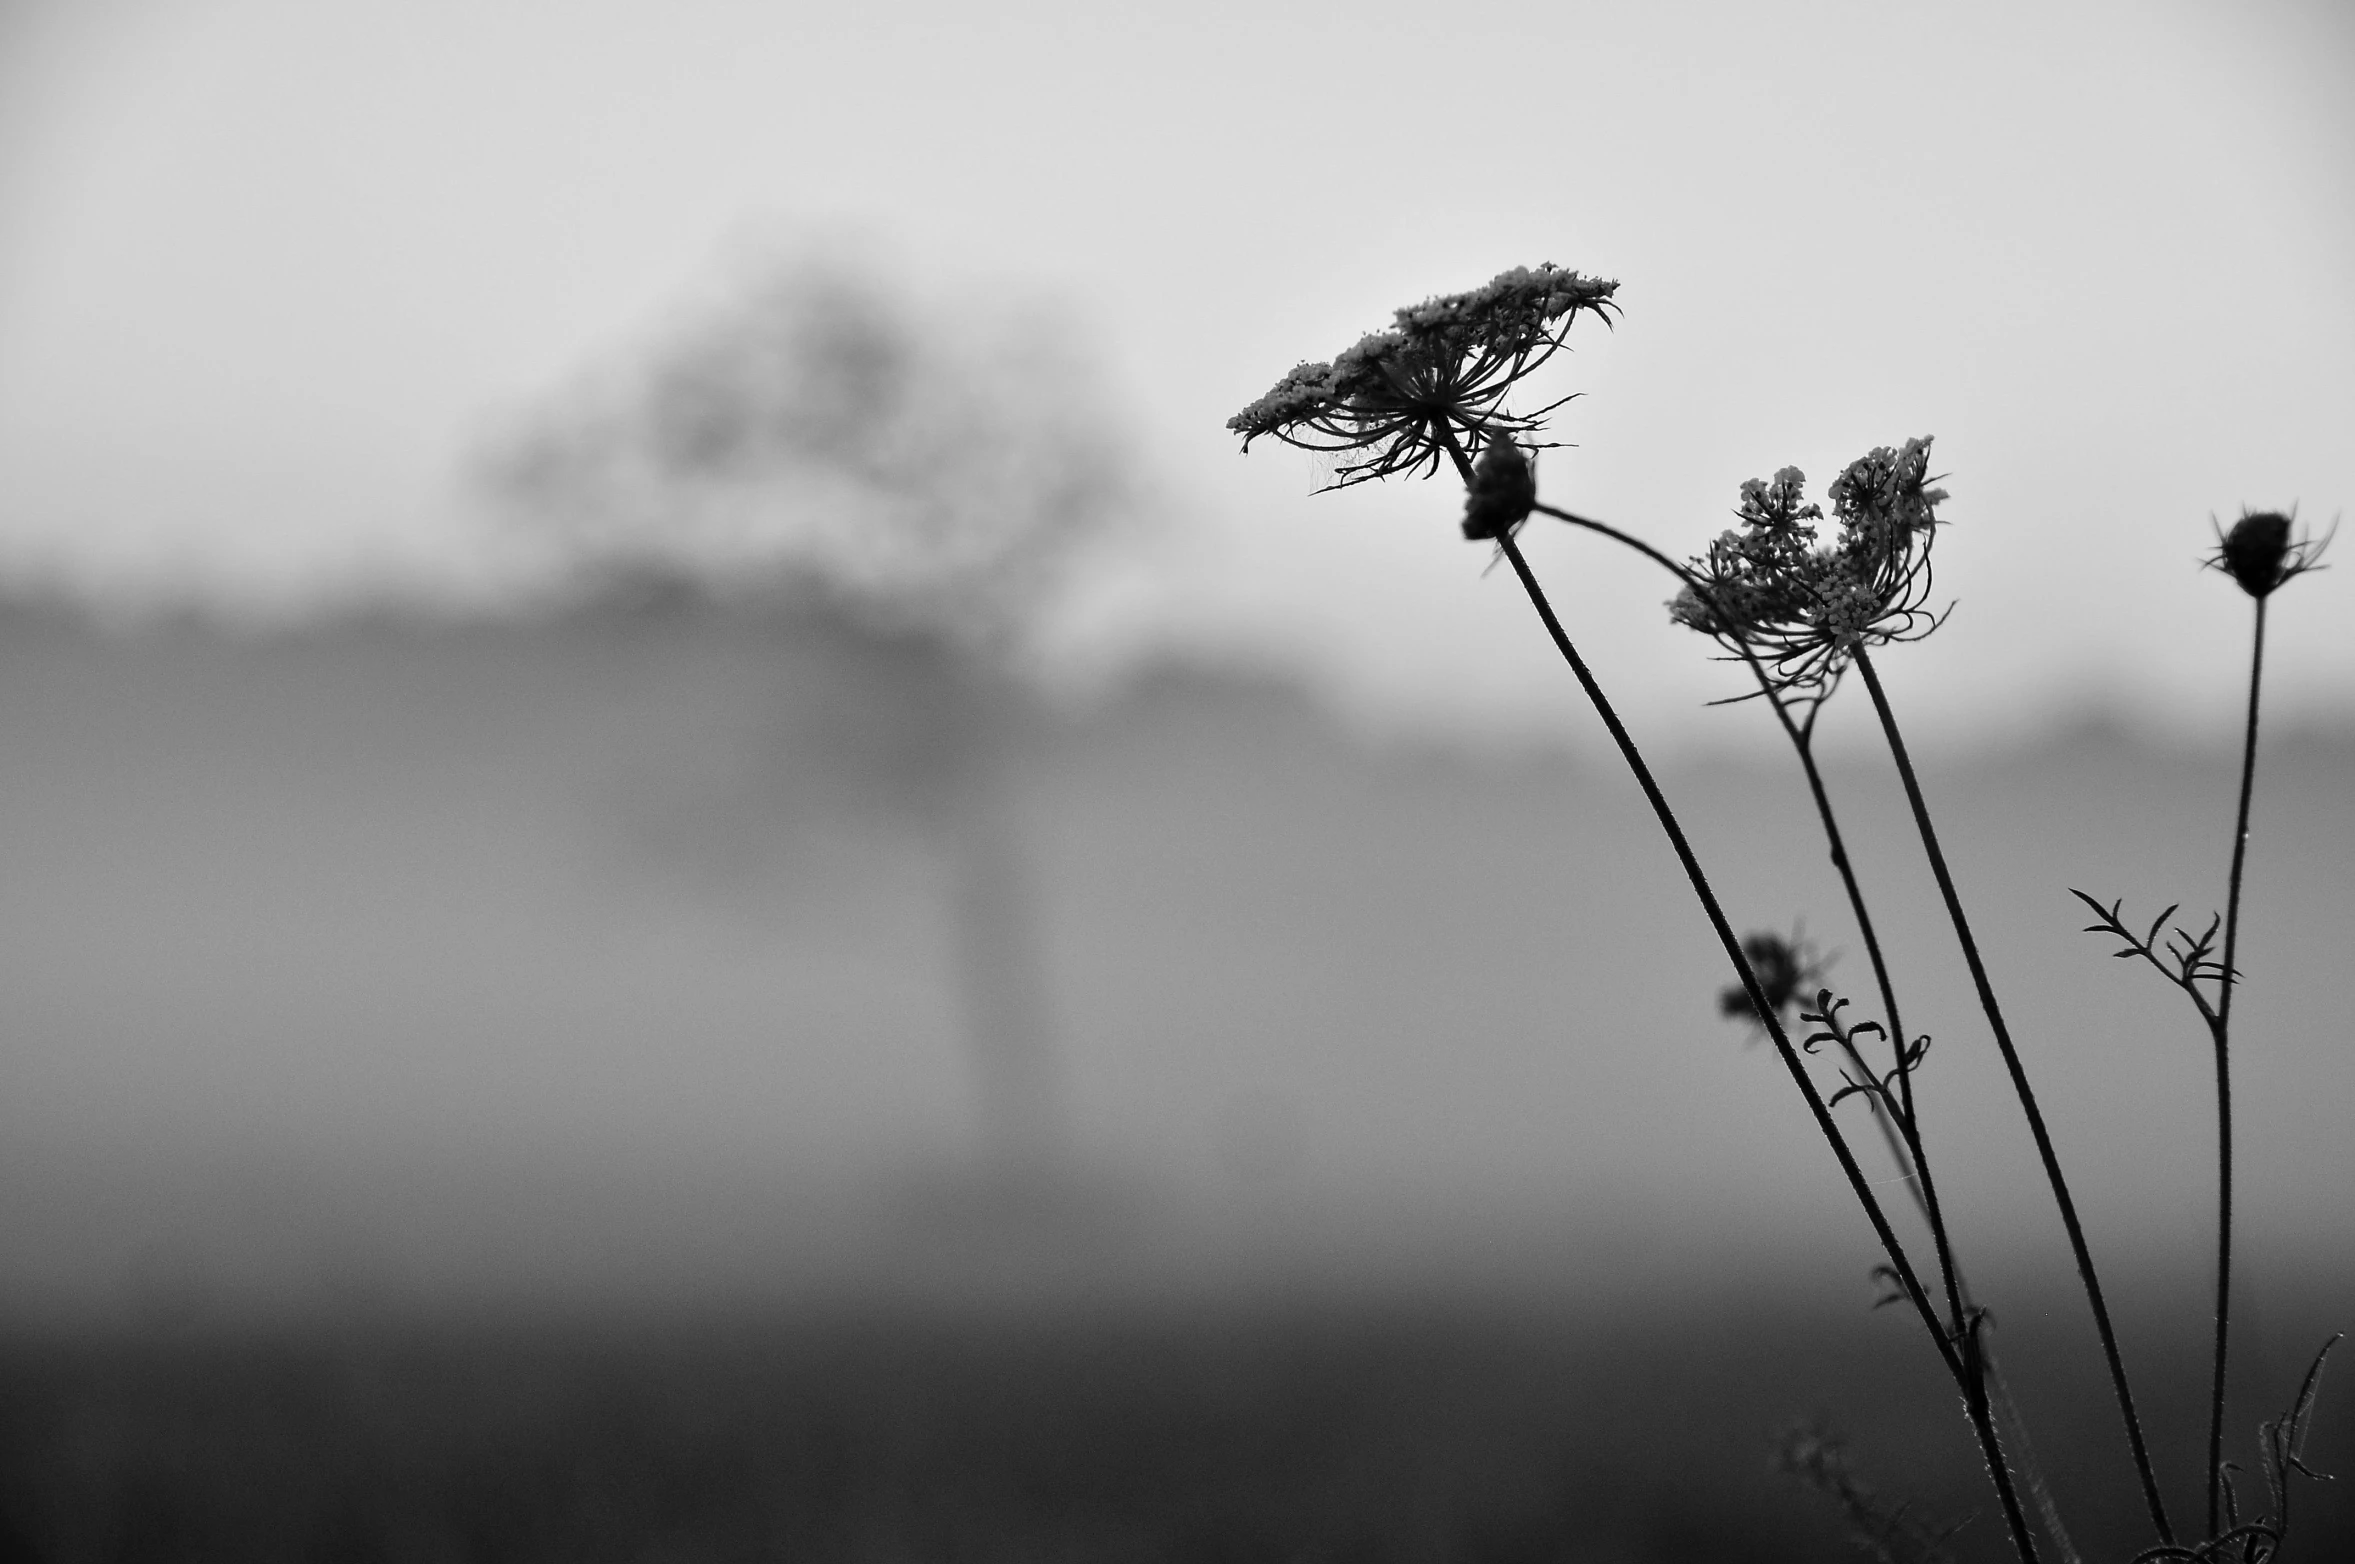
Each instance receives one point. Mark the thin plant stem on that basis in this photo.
(1906, 1148)
(2220, 1027)
(2026, 1093)
(1908, 1121)
(1980, 1360)
(1949, 1351)
(1905, 1142)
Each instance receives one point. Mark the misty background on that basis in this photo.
(680, 499)
(636, 671)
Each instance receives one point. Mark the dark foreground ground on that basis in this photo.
(1307, 1429)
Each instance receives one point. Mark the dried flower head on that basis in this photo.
(1787, 969)
(1401, 399)
(2262, 556)
(1801, 607)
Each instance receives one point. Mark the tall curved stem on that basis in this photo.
(1906, 1147)
(1951, 1351)
(2027, 1094)
(1905, 1141)
(2221, 1030)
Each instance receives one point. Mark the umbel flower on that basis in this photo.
(1396, 401)
(2260, 554)
(1769, 589)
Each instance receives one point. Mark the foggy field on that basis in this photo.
(1316, 1426)
(611, 954)
(691, 869)
(498, 1091)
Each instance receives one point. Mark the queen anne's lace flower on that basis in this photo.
(1769, 589)
(1400, 399)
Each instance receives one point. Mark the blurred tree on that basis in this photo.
(939, 489)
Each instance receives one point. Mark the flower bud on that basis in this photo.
(1501, 492)
(1783, 967)
(2257, 552)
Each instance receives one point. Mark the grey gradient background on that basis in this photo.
(515, 809)
(386, 920)
(268, 274)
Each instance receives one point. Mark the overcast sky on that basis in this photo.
(271, 272)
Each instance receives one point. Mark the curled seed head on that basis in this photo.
(1772, 590)
(2258, 553)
